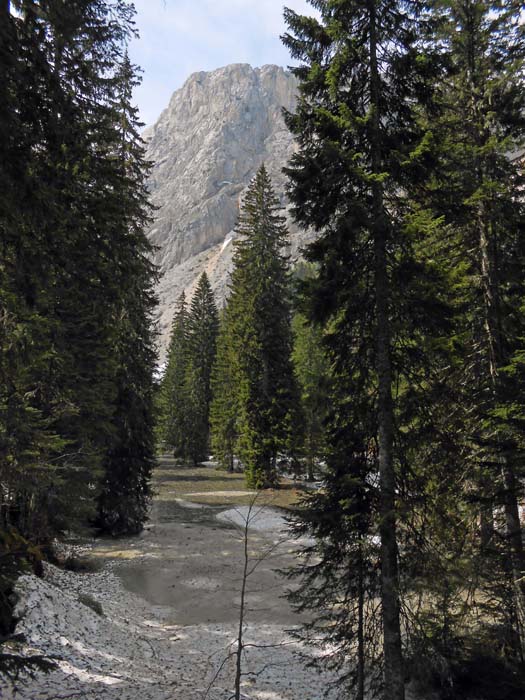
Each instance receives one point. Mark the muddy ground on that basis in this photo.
(191, 562)
(159, 618)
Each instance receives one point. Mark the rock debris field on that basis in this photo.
(159, 617)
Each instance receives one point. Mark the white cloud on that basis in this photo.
(179, 37)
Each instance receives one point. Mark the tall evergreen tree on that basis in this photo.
(28, 267)
(312, 371)
(17, 414)
(259, 314)
(129, 461)
(67, 246)
(364, 68)
(173, 390)
(337, 579)
(203, 327)
(478, 119)
(224, 410)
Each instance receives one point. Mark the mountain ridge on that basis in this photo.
(206, 146)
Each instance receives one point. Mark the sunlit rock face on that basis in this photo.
(206, 147)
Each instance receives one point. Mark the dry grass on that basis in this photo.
(114, 552)
(207, 485)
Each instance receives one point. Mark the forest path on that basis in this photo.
(189, 562)
(158, 620)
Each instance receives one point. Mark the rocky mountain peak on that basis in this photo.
(206, 147)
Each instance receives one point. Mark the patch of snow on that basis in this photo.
(222, 493)
(188, 504)
(227, 241)
(203, 583)
(267, 520)
(261, 518)
(136, 651)
(210, 463)
(301, 481)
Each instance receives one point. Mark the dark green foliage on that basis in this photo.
(187, 384)
(173, 398)
(203, 327)
(76, 354)
(311, 369)
(258, 323)
(403, 167)
(224, 410)
(477, 120)
(338, 578)
(365, 65)
(28, 442)
(130, 459)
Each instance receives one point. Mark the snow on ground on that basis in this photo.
(260, 518)
(228, 494)
(135, 652)
(139, 650)
(226, 242)
(264, 519)
(188, 504)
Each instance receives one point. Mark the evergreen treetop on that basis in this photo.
(364, 68)
(173, 386)
(259, 313)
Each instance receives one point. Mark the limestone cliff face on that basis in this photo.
(206, 147)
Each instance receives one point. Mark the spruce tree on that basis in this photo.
(174, 387)
(364, 67)
(224, 410)
(128, 463)
(311, 368)
(203, 326)
(67, 248)
(259, 313)
(477, 121)
(83, 231)
(30, 401)
(337, 579)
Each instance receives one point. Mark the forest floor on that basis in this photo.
(158, 617)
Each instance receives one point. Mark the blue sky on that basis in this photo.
(180, 37)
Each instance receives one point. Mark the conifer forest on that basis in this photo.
(316, 486)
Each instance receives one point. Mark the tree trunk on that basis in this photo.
(5, 57)
(486, 524)
(240, 632)
(360, 692)
(394, 675)
(495, 359)
(4, 12)
(515, 547)
(392, 649)
(310, 468)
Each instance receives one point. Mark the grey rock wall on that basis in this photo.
(206, 147)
